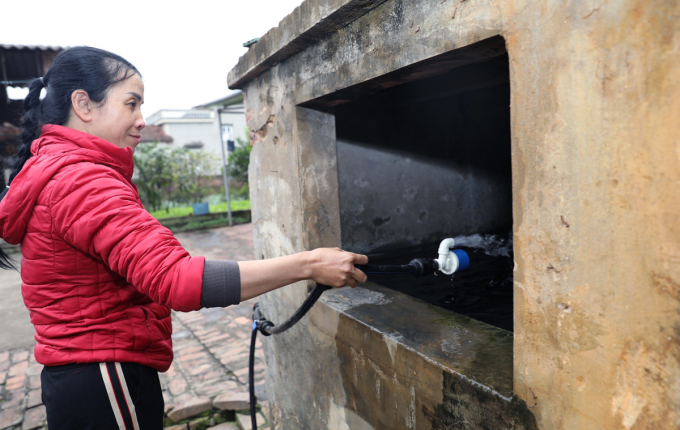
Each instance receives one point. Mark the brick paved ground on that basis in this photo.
(208, 379)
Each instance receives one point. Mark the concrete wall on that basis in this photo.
(595, 93)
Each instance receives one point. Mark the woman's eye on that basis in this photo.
(133, 104)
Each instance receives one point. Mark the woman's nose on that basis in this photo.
(140, 124)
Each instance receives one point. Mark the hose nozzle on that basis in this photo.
(451, 260)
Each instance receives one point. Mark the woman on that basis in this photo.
(100, 275)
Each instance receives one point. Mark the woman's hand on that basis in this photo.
(335, 267)
(328, 266)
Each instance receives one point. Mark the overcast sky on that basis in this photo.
(183, 52)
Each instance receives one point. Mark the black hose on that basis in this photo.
(417, 267)
(267, 328)
(384, 269)
(251, 375)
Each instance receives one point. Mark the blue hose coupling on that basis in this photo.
(451, 260)
(463, 259)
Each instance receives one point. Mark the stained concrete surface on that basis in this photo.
(594, 96)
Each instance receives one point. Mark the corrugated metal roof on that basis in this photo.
(32, 47)
(19, 64)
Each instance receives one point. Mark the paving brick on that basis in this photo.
(243, 335)
(13, 399)
(34, 418)
(198, 370)
(34, 382)
(245, 423)
(18, 356)
(236, 362)
(183, 398)
(15, 382)
(242, 373)
(4, 356)
(190, 350)
(3, 377)
(4, 365)
(169, 402)
(243, 321)
(232, 401)
(34, 398)
(199, 423)
(213, 375)
(213, 339)
(195, 356)
(190, 408)
(210, 390)
(224, 426)
(10, 417)
(235, 351)
(34, 369)
(264, 408)
(177, 386)
(18, 368)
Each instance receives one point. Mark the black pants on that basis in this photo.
(102, 396)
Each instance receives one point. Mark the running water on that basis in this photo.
(482, 292)
(493, 245)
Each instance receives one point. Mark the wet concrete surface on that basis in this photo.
(458, 343)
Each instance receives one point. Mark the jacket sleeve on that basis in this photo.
(96, 212)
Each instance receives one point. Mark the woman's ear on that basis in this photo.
(82, 105)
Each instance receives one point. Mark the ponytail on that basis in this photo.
(30, 126)
(80, 68)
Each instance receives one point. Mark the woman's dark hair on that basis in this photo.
(81, 68)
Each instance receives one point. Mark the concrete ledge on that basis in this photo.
(407, 350)
(453, 342)
(309, 22)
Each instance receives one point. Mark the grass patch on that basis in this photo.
(204, 225)
(236, 205)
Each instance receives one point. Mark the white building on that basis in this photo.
(199, 128)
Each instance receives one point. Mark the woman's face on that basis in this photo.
(119, 119)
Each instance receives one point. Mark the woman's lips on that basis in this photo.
(136, 138)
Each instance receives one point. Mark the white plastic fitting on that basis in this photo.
(448, 261)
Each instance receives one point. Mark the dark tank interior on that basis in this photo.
(427, 160)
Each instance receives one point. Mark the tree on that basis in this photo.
(192, 175)
(153, 174)
(239, 159)
(164, 176)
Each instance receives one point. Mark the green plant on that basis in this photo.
(153, 174)
(179, 211)
(192, 175)
(239, 159)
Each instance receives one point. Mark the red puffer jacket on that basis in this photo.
(99, 273)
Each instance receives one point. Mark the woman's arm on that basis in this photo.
(328, 266)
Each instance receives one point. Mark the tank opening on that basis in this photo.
(430, 159)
